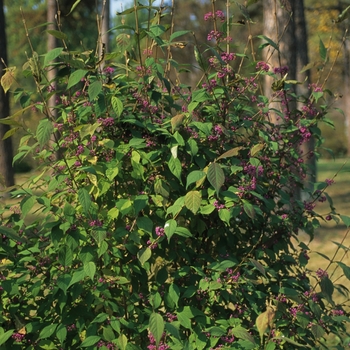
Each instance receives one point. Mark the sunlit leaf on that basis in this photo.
(73, 7)
(156, 326)
(216, 176)
(44, 131)
(193, 201)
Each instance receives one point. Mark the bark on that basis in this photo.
(52, 44)
(52, 72)
(287, 27)
(6, 149)
(279, 27)
(347, 91)
(105, 25)
(104, 35)
(307, 148)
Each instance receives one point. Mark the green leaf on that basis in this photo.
(90, 269)
(175, 167)
(44, 131)
(178, 33)
(184, 319)
(140, 202)
(73, 7)
(258, 266)
(122, 342)
(84, 200)
(322, 51)
(270, 345)
(10, 133)
(5, 336)
(76, 77)
(57, 34)
(225, 216)
(230, 153)
(183, 231)
(345, 268)
(346, 220)
(193, 201)
(268, 41)
(117, 106)
(256, 149)
(47, 331)
(194, 176)
(7, 80)
(27, 205)
(111, 173)
(100, 318)
(94, 89)
(63, 282)
(156, 326)
(242, 333)
(65, 256)
(77, 277)
(249, 209)
(291, 341)
(157, 30)
(216, 331)
(51, 55)
(170, 228)
(327, 287)
(144, 254)
(176, 121)
(174, 293)
(343, 15)
(317, 331)
(11, 234)
(216, 176)
(90, 341)
(61, 333)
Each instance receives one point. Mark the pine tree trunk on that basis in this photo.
(6, 150)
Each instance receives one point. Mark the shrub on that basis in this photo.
(168, 221)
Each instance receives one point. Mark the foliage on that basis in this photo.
(168, 222)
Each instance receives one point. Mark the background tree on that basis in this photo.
(6, 151)
(284, 23)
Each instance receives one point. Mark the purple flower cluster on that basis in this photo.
(18, 337)
(153, 345)
(261, 65)
(95, 223)
(218, 14)
(281, 70)
(321, 273)
(109, 121)
(159, 231)
(108, 345)
(210, 85)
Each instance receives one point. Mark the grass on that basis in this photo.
(331, 231)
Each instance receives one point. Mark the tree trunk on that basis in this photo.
(279, 27)
(52, 72)
(307, 148)
(52, 44)
(6, 150)
(104, 35)
(105, 25)
(347, 91)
